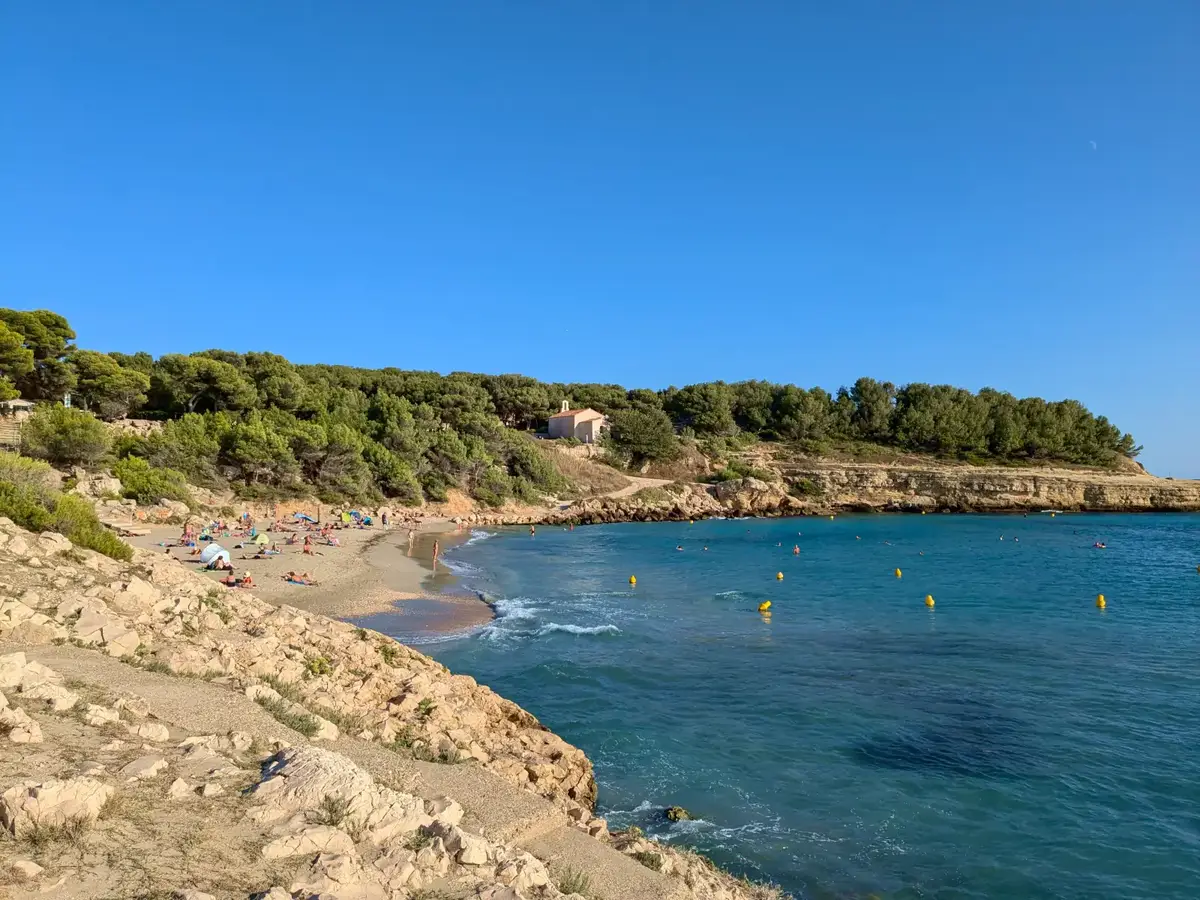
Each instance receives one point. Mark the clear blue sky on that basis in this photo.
(657, 192)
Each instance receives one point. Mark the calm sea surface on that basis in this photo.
(1013, 742)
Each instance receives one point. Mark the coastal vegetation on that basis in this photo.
(29, 498)
(266, 426)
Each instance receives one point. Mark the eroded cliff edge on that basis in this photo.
(803, 486)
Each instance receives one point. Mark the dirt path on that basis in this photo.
(637, 483)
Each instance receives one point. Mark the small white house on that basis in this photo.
(583, 424)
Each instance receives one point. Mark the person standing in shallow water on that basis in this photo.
(532, 530)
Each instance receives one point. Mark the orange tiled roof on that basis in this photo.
(574, 412)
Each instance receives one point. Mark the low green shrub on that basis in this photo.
(31, 503)
(147, 484)
(65, 436)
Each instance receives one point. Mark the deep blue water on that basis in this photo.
(1013, 742)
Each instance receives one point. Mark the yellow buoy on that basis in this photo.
(764, 606)
(922, 512)
(831, 517)
(1100, 601)
(691, 521)
(633, 579)
(899, 573)
(1052, 515)
(929, 600)
(779, 576)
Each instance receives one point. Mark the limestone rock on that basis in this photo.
(100, 715)
(25, 869)
(443, 809)
(339, 875)
(676, 814)
(134, 705)
(57, 696)
(314, 839)
(179, 789)
(212, 790)
(21, 729)
(144, 767)
(151, 731)
(52, 802)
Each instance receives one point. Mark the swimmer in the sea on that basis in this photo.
(679, 547)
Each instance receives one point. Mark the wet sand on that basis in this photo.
(374, 571)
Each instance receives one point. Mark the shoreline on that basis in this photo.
(370, 574)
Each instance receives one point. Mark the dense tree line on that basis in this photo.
(264, 422)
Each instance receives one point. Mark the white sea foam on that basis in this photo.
(478, 535)
(458, 567)
(577, 629)
(515, 608)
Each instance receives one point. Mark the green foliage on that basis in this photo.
(315, 666)
(804, 487)
(29, 499)
(16, 361)
(191, 445)
(106, 388)
(273, 428)
(286, 714)
(27, 473)
(253, 453)
(649, 859)
(200, 383)
(642, 436)
(389, 652)
(148, 485)
(705, 408)
(574, 881)
(47, 336)
(64, 436)
(736, 469)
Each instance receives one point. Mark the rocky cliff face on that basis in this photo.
(996, 488)
(819, 487)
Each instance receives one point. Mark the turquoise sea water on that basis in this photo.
(1013, 742)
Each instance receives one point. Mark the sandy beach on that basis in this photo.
(372, 571)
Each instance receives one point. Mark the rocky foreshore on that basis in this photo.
(176, 738)
(817, 487)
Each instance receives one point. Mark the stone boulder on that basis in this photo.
(55, 802)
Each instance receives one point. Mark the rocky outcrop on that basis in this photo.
(813, 486)
(322, 825)
(985, 488)
(323, 675)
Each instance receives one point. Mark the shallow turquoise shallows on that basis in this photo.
(1015, 741)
